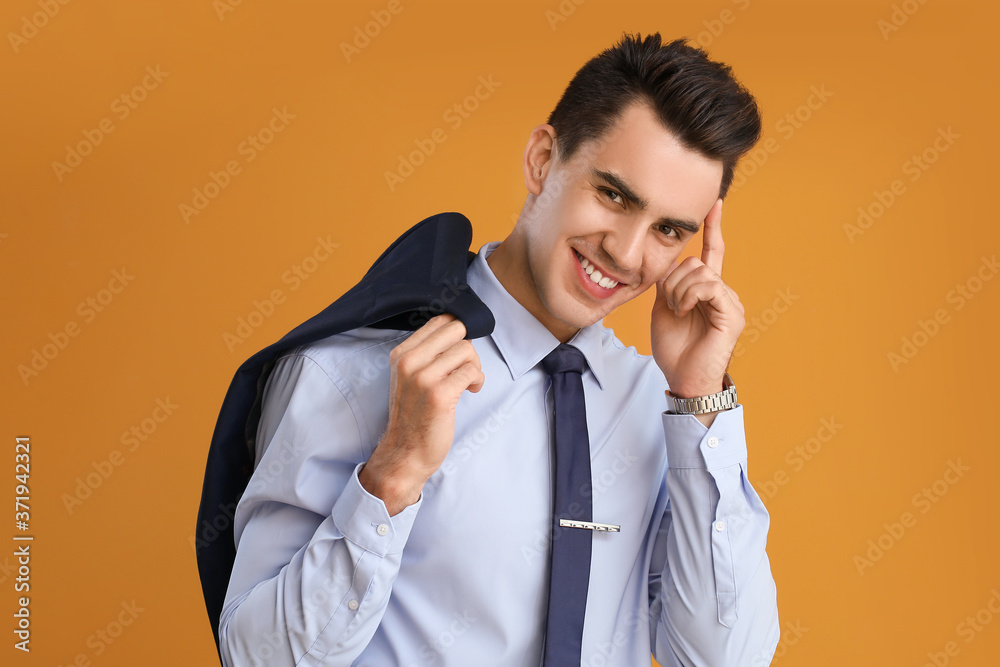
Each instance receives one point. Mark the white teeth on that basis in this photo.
(596, 275)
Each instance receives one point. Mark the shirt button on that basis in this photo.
(352, 605)
(720, 526)
(713, 442)
(382, 529)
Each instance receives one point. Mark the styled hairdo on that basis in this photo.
(697, 99)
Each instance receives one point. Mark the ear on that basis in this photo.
(538, 157)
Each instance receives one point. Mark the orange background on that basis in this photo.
(825, 357)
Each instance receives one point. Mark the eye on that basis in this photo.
(612, 193)
(668, 228)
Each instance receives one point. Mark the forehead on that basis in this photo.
(650, 159)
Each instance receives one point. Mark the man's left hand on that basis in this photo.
(696, 318)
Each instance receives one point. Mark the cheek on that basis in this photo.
(661, 265)
(582, 212)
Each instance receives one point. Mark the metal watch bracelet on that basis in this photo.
(723, 400)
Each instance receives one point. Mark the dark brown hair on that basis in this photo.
(697, 99)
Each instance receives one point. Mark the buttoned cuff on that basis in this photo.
(690, 444)
(364, 520)
(720, 450)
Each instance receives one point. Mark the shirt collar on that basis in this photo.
(523, 341)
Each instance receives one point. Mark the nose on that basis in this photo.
(625, 247)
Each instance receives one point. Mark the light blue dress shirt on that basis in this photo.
(324, 576)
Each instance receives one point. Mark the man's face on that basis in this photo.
(621, 203)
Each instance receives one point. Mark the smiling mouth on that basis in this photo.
(597, 277)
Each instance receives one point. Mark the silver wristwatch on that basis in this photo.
(724, 400)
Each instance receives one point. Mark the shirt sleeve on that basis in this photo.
(713, 600)
(316, 553)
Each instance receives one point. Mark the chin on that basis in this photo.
(580, 316)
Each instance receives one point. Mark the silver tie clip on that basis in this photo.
(604, 527)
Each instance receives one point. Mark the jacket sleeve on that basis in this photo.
(712, 597)
(316, 553)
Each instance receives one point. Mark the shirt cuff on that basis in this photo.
(364, 520)
(690, 444)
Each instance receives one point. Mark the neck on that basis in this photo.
(509, 263)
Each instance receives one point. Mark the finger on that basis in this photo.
(470, 377)
(696, 275)
(453, 358)
(459, 365)
(712, 246)
(675, 277)
(670, 269)
(711, 292)
(430, 326)
(736, 297)
(432, 338)
(660, 292)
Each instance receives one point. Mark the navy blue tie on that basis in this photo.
(571, 547)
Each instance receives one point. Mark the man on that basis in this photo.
(405, 517)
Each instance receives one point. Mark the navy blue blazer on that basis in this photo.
(422, 274)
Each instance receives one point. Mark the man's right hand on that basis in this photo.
(428, 373)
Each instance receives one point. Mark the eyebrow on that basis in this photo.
(631, 197)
